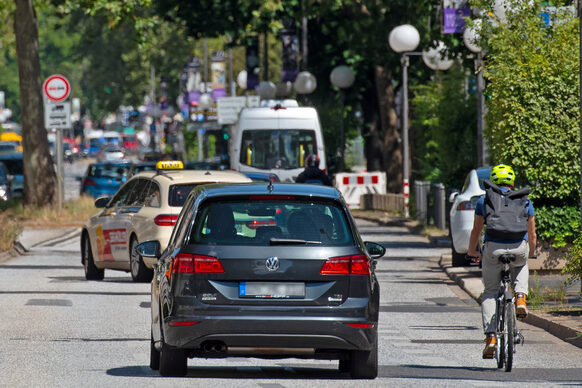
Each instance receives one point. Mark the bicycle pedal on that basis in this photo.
(488, 357)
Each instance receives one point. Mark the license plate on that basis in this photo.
(271, 290)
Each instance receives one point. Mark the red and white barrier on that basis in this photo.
(353, 185)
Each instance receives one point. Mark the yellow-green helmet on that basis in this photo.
(502, 174)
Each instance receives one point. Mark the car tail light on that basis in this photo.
(466, 205)
(89, 182)
(183, 323)
(272, 179)
(346, 265)
(361, 325)
(165, 220)
(188, 263)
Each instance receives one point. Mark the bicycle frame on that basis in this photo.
(505, 318)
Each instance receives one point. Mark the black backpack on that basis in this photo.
(505, 213)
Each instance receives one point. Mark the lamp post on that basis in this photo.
(470, 35)
(342, 77)
(404, 39)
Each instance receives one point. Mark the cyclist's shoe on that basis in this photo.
(490, 345)
(520, 305)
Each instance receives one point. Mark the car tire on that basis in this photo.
(154, 355)
(173, 362)
(139, 272)
(91, 271)
(364, 364)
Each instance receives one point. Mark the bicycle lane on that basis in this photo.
(431, 329)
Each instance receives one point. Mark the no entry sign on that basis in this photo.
(56, 88)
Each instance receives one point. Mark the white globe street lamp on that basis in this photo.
(267, 90)
(241, 80)
(433, 58)
(305, 83)
(205, 102)
(404, 39)
(284, 89)
(342, 77)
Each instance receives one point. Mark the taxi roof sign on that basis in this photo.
(170, 165)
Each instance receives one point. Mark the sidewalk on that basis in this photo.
(563, 320)
(31, 237)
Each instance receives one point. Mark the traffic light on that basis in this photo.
(225, 134)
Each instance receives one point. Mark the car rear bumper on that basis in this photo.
(233, 332)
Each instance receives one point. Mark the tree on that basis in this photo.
(39, 175)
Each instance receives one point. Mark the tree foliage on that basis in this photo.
(533, 120)
(445, 138)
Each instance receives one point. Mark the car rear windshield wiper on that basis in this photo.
(291, 241)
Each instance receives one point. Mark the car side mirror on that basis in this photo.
(149, 249)
(102, 202)
(453, 196)
(374, 249)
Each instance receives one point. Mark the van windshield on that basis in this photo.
(277, 148)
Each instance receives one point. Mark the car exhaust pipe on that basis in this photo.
(214, 347)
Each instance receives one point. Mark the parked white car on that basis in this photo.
(462, 213)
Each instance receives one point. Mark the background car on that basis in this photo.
(8, 146)
(104, 179)
(110, 152)
(462, 213)
(262, 176)
(15, 167)
(141, 166)
(146, 207)
(5, 183)
(301, 285)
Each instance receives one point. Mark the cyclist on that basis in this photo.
(503, 176)
(312, 173)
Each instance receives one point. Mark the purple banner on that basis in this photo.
(454, 22)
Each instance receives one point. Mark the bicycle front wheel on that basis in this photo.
(509, 335)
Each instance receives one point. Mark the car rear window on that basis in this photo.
(108, 171)
(178, 194)
(269, 222)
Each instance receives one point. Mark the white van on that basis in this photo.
(276, 139)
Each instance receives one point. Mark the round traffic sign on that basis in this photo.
(56, 88)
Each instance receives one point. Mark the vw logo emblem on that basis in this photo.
(272, 263)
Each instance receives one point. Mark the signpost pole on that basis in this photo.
(59, 151)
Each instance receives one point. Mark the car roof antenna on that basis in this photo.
(270, 186)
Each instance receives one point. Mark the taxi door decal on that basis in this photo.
(106, 239)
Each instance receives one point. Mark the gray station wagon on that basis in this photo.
(265, 270)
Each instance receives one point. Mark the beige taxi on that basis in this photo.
(145, 208)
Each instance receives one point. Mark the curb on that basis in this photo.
(470, 281)
(19, 248)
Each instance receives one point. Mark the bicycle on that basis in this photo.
(506, 330)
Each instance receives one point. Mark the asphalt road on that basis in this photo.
(59, 330)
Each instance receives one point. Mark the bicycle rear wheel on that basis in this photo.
(509, 335)
(500, 346)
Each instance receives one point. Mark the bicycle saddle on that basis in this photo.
(507, 258)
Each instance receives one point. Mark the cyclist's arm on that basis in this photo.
(474, 238)
(531, 236)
